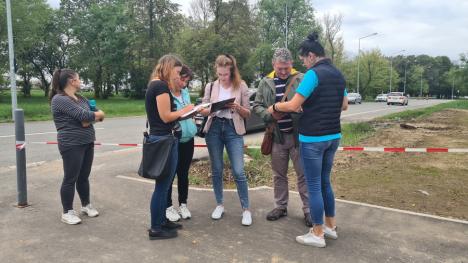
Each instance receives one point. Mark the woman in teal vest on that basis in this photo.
(186, 147)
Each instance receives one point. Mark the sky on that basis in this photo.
(432, 27)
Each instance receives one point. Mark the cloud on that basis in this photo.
(430, 27)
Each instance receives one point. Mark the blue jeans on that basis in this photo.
(222, 133)
(317, 159)
(159, 198)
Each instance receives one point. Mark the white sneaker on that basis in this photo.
(311, 239)
(246, 218)
(330, 232)
(172, 214)
(90, 210)
(71, 218)
(218, 212)
(184, 212)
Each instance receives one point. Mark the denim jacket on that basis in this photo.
(189, 129)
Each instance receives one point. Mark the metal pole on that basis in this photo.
(391, 73)
(286, 23)
(453, 84)
(358, 55)
(420, 92)
(12, 60)
(21, 159)
(404, 85)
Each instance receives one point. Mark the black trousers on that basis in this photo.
(183, 165)
(77, 162)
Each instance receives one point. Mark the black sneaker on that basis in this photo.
(276, 214)
(308, 220)
(161, 234)
(171, 225)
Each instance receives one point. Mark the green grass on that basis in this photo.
(412, 114)
(353, 133)
(36, 107)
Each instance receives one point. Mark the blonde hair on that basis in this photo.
(226, 60)
(163, 70)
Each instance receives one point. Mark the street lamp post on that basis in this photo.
(18, 117)
(391, 67)
(404, 85)
(420, 92)
(359, 54)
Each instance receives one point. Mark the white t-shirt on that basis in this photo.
(224, 94)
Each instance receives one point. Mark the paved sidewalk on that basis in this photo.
(35, 234)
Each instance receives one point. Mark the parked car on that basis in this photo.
(397, 98)
(354, 98)
(381, 98)
(253, 123)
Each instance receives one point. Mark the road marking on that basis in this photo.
(148, 181)
(386, 109)
(38, 133)
(29, 165)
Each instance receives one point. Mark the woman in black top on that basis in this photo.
(162, 118)
(73, 119)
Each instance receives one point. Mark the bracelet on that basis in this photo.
(274, 107)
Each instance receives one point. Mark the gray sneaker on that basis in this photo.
(276, 214)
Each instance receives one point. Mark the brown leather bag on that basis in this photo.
(267, 143)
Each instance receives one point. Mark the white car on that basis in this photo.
(397, 98)
(354, 98)
(381, 98)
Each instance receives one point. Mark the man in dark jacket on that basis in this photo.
(271, 89)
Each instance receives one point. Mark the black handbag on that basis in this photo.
(200, 129)
(155, 162)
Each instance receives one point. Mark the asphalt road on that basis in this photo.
(129, 130)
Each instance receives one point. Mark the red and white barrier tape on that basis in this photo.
(20, 145)
(346, 149)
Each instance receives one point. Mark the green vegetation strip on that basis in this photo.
(36, 107)
(412, 114)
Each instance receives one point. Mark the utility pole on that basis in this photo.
(404, 84)
(286, 25)
(18, 117)
(359, 54)
(391, 67)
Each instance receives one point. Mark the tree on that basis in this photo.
(334, 44)
(279, 28)
(374, 74)
(101, 41)
(230, 30)
(29, 25)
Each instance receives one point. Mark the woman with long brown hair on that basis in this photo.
(225, 128)
(73, 118)
(163, 117)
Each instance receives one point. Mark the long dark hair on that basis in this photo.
(312, 44)
(60, 80)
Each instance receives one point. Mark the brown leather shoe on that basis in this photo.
(276, 214)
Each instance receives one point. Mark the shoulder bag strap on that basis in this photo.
(288, 89)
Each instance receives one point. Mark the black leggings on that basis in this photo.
(77, 162)
(183, 166)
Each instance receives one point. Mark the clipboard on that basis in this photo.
(193, 112)
(221, 104)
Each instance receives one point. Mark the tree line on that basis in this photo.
(114, 44)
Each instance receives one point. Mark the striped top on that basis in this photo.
(286, 123)
(68, 115)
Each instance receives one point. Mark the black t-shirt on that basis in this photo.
(157, 126)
